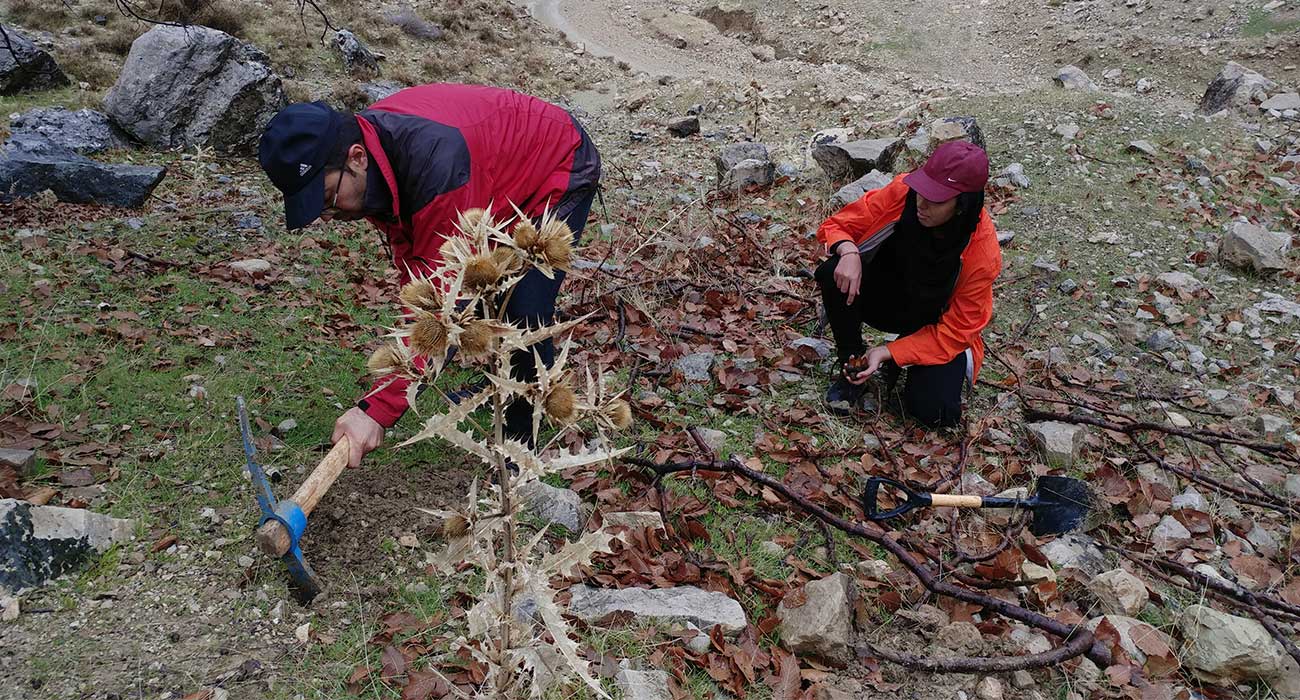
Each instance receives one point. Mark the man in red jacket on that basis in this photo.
(916, 258)
(410, 164)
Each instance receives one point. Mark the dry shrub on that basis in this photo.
(296, 91)
(348, 95)
(226, 15)
(116, 39)
(48, 15)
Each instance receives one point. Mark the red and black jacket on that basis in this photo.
(443, 149)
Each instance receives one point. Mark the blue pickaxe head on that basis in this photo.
(303, 581)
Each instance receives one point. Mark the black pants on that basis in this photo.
(931, 393)
(533, 304)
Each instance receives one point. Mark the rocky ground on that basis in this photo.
(1118, 302)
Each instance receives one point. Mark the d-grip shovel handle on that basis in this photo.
(915, 499)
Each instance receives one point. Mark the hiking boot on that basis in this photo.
(843, 396)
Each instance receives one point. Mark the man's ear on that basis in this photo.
(357, 157)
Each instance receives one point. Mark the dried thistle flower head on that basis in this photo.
(507, 260)
(561, 403)
(429, 336)
(385, 360)
(525, 234)
(455, 526)
(476, 339)
(558, 253)
(556, 244)
(619, 414)
(421, 294)
(471, 218)
(481, 273)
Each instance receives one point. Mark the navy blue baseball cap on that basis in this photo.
(293, 151)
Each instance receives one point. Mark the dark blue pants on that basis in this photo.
(533, 304)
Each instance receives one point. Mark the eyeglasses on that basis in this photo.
(333, 210)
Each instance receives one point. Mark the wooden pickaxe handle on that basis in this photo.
(272, 537)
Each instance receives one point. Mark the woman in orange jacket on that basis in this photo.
(916, 258)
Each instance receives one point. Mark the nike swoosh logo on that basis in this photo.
(951, 180)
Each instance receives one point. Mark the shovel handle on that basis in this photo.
(956, 500)
(272, 537)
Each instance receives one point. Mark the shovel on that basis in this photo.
(1059, 505)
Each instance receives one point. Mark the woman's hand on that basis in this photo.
(848, 273)
(363, 432)
(876, 357)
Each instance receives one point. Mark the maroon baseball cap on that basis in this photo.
(953, 168)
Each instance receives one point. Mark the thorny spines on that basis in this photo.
(460, 307)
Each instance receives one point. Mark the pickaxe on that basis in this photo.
(283, 523)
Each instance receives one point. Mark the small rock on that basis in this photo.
(850, 160)
(1271, 426)
(25, 67)
(1160, 340)
(1075, 551)
(41, 543)
(1073, 78)
(821, 346)
(553, 505)
(685, 127)
(644, 685)
(1222, 647)
(634, 520)
(1012, 176)
(1060, 442)
(1190, 499)
(1249, 246)
(874, 569)
(822, 626)
(1144, 147)
(285, 426)
(947, 129)
(1281, 102)
(1170, 535)
(1005, 238)
(701, 608)
(989, 688)
(960, 635)
(357, 59)
(696, 366)
(409, 541)
(1119, 592)
(1235, 87)
(22, 461)
(252, 266)
(715, 440)
(1022, 679)
(302, 633)
(853, 191)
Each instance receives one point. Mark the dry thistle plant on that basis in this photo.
(516, 628)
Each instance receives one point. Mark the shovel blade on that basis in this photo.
(1063, 505)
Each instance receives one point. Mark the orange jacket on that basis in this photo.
(868, 221)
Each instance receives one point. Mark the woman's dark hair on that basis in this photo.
(967, 215)
(348, 135)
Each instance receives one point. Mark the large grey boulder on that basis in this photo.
(195, 86)
(1253, 247)
(822, 625)
(1220, 647)
(30, 165)
(845, 160)
(853, 191)
(84, 130)
(704, 609)
(742, 165)
(27, 66)
(553, 505)
(1236, 87)
(41, 543)
(357, 59)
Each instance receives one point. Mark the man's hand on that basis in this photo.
(363, 433)
(848, 273)
(876, 357)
